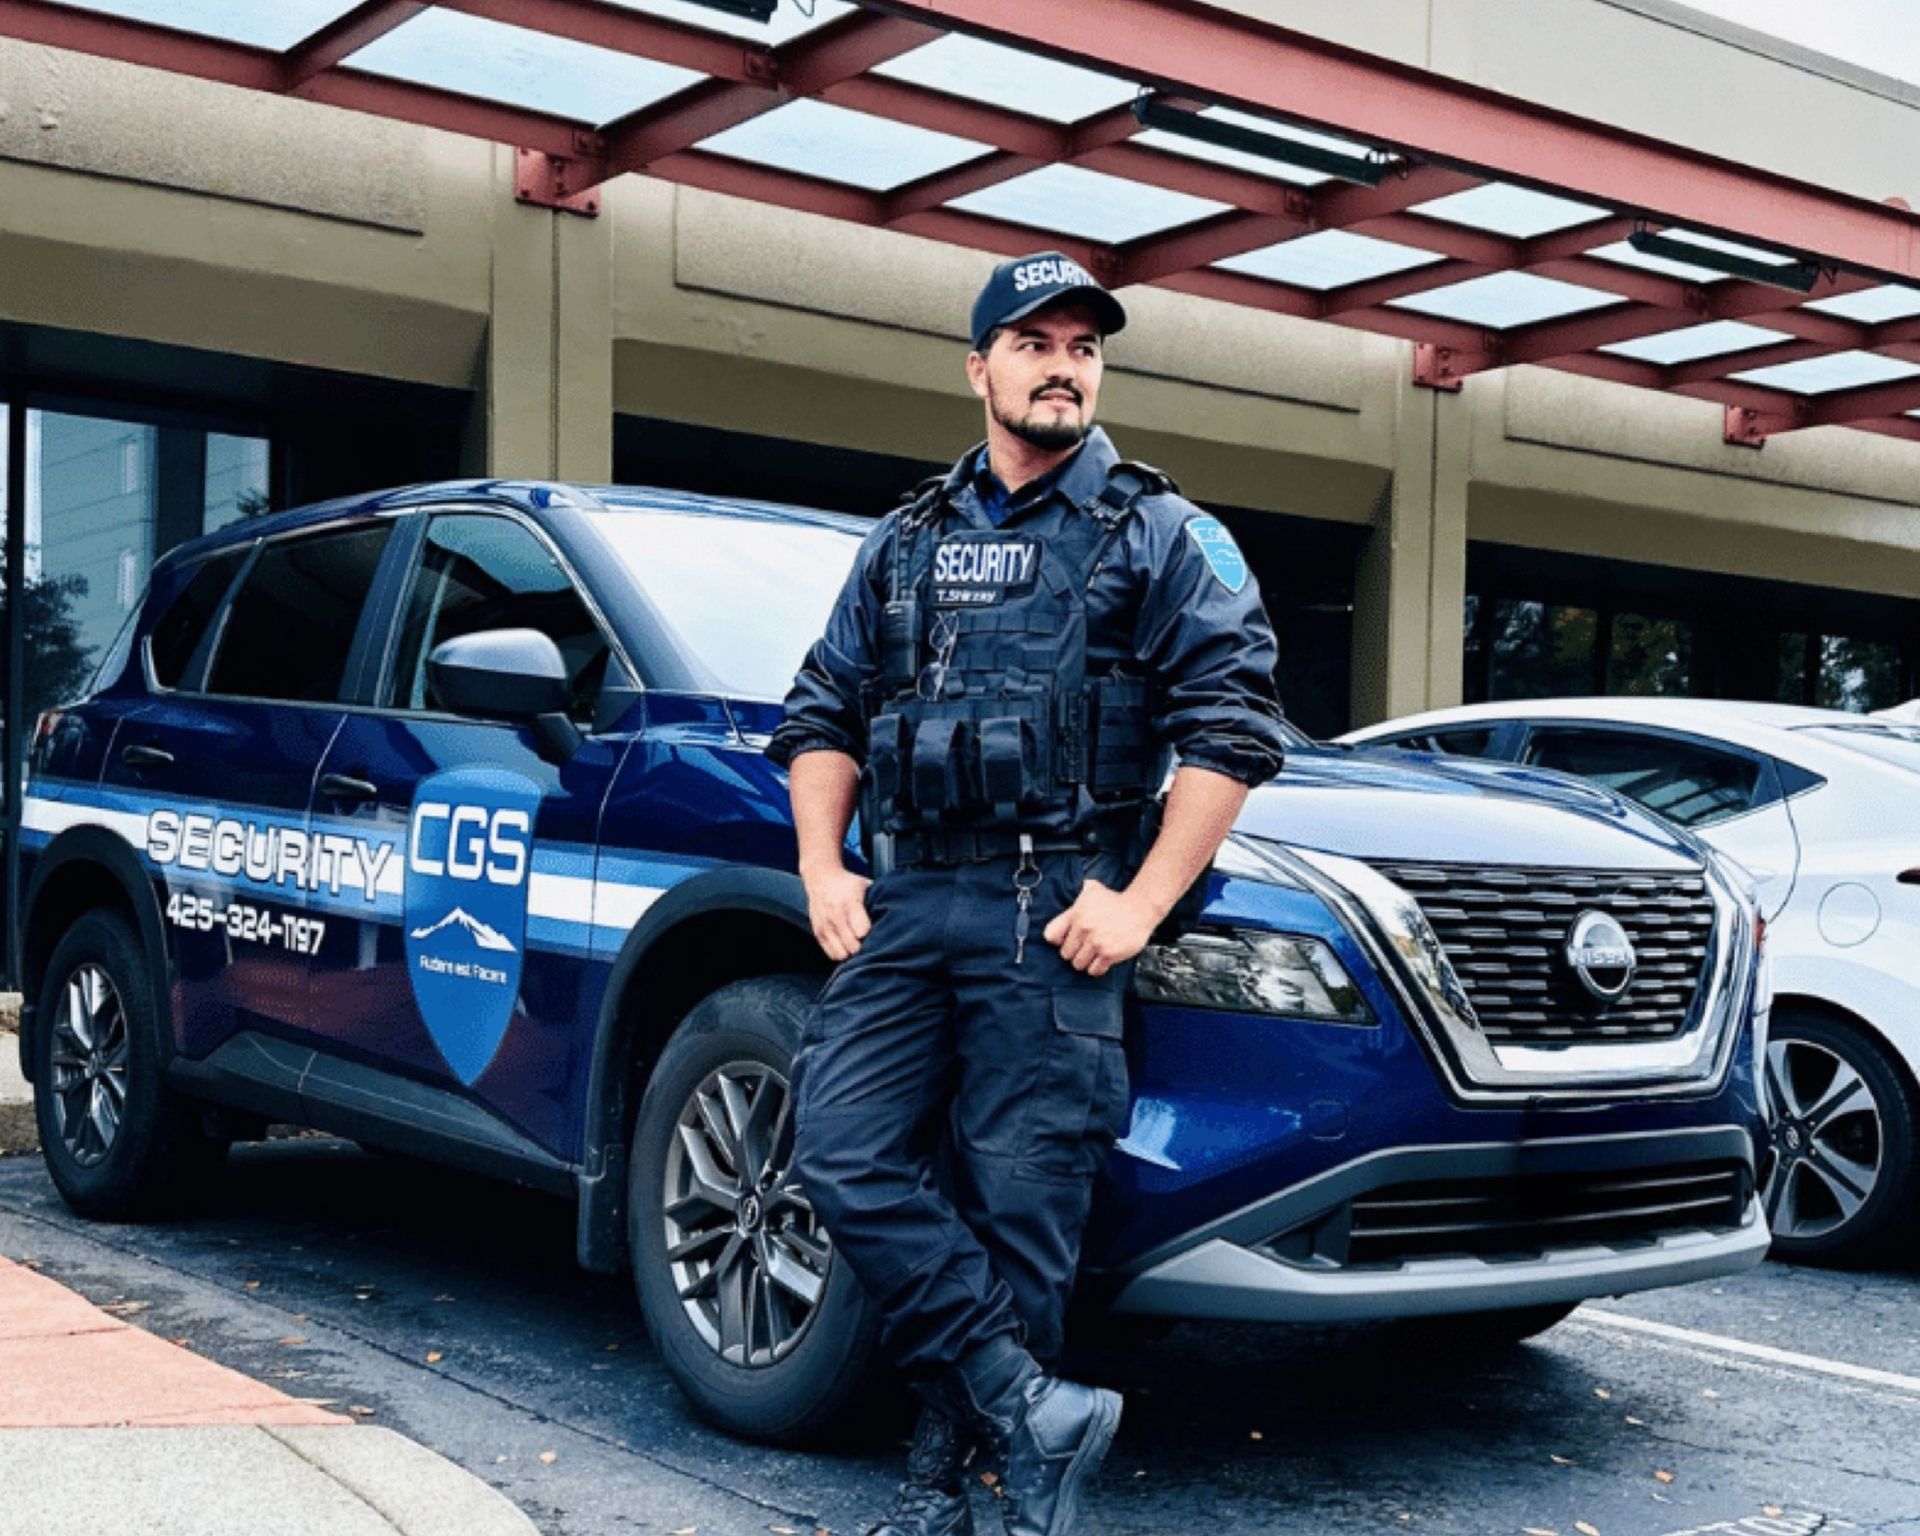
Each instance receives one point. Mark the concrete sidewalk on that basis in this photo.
(105, 1427)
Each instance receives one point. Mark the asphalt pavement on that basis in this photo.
(1782, 1403)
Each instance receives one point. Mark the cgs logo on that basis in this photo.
(469, 855)
(469, 842)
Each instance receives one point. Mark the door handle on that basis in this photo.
(139, 756)
(340, 786)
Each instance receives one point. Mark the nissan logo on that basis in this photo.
(1601, 955)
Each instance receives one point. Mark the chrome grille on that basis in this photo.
(1504, 930)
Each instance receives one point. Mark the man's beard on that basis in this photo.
(1050, 435)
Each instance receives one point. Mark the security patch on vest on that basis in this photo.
(1223, 555)
(973, 573)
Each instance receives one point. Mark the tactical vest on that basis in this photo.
(984, 716)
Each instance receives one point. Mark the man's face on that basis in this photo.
(1041, 377)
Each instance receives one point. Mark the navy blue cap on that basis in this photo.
(1019, 287)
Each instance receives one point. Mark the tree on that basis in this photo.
(58, 662)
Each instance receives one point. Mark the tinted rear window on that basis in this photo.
(1464, 742)
(292, 622)
(1685, 782)
(182, 626)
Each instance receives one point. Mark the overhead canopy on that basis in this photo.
(1158, 141)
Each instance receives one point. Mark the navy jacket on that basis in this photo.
(1176, 604)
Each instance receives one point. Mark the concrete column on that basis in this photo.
(547, 396)
(1410, 592)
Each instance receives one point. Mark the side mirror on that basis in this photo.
(512, 675)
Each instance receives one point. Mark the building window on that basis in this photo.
(236, 480)
(1538, 650)
(1649, 656)
(1858, 675)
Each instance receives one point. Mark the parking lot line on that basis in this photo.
(1818, 1365)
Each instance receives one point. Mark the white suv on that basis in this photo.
(1823, 809)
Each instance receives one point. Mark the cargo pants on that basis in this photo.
(955, 1099)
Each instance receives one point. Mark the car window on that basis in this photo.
(290, 627)
(1464, 742)
(744, 596)
(480, 572)
(1686, 782)
(181, 628)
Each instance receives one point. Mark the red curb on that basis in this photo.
(65, 1364)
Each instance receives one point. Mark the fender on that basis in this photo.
(109, 851)
(601, 1236)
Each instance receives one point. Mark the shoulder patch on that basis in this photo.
(1229, 566)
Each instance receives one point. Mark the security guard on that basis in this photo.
(1015, 656)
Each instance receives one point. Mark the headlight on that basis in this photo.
(1248, 972)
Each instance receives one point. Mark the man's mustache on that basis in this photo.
(1059, 389)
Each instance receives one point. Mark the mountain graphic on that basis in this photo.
(485, 937)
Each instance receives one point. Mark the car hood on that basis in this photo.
(1451, 810)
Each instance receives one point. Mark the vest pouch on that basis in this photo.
(1006, 764)
(886, 762)
(1118, 738)
(940, 749)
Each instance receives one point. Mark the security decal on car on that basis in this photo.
(265, 852)
(469, 856)
(1223, 555)
(974, 572)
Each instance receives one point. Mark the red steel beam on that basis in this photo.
(900, 102)
(1399, 285)
(1198, 49)
(933, 191)
(1892, 426)
(804, 67)
(1201, 245)
(603, 24)
(1844, 407)
(54, 25)
(343, 36)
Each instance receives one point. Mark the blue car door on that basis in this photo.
(212, 778)
(473, 971)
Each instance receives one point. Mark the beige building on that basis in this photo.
(213, 300)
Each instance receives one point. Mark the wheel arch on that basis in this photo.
(716, 928)
(86, 869)
(1898, 1054)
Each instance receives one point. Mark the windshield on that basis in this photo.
(746, 596)
(1899, 745)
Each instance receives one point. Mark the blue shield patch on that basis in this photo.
(1223, 555)
(469, 856)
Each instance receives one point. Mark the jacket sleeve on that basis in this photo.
(1204, 637)
(823, 706)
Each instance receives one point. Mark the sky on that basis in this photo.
(1880, 35)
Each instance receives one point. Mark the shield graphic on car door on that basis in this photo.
(469, 858)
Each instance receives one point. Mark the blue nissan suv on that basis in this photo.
(439, 820)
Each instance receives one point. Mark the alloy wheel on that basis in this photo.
(1827, 1144)
(748, 1255)
(87, 1063)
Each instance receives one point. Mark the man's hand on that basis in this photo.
(1103, 928)
(837, 908)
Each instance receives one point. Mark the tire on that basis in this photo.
(1479, 1333)
(772, 1366)
(1837, 1181)
(119, 1144)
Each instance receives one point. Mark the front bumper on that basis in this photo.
(1223, 1280)
(1417, 1231)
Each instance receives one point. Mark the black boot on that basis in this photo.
(1045, 1436)
(933, 1499)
